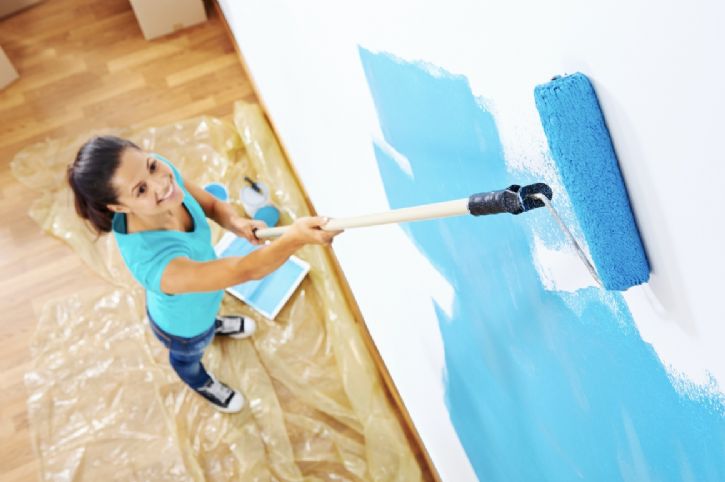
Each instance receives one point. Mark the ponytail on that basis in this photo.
(90, 177)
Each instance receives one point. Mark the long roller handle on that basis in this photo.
(417, 213)
(513, 199)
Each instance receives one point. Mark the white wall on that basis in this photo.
(658, 70)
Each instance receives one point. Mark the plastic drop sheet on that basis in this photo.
(104, 404)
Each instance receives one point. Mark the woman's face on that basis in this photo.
(145, 185)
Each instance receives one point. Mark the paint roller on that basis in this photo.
(582, 149)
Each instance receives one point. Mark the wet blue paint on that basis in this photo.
(536, 391)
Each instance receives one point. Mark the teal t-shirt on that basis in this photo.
(147, 253)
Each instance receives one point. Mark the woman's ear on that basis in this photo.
(117, 208)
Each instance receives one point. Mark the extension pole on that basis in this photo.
(417, 213)
(513, 199)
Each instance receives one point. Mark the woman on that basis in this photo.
(159, 222)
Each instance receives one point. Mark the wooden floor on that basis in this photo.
(83, 64)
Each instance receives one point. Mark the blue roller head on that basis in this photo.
(583, 152)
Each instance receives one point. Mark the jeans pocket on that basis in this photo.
(181, 345)
(192, 346)
(199, 345)
(163, 339)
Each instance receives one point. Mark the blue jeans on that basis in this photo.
(185, 353)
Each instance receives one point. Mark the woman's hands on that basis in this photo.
(308, 230)
(245, 228)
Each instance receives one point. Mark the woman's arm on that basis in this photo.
(225, 215)
(221, 212)
(183, 275)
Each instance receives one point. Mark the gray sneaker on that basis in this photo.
(235, 326)
(223, 398)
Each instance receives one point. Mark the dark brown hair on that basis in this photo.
(90, 179)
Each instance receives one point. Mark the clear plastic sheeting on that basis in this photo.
(104, 403)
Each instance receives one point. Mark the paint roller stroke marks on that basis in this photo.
(538, 387)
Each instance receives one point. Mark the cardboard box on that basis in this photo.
(8, 7)
(161, 17)
(7, 72)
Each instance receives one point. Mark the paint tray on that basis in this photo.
(269, 294)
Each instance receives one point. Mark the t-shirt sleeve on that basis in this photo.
(149, 269)
(155, 274)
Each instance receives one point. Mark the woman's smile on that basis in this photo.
(169, 192)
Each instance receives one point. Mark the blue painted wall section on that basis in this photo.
(535, 390)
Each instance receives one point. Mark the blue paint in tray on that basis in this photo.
(536, 391)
